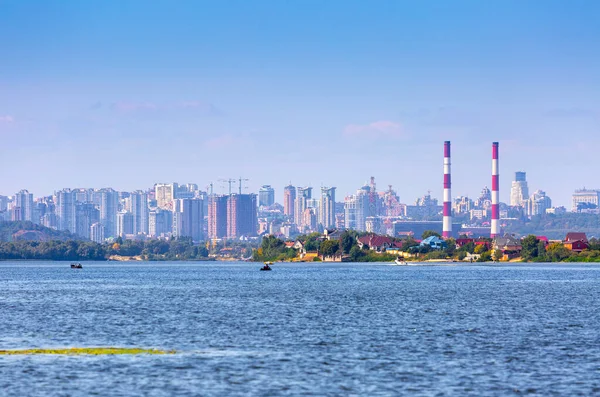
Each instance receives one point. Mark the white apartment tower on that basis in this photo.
(327, 207)
(24, 201)
(164, 194)
(519, 191)
(109, 205)
(139, 210)
(65, 210)
(303, 194)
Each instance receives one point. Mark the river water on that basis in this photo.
(312, 329)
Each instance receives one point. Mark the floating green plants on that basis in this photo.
(95, 351)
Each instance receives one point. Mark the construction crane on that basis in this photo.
(229, 181)
(241, 183)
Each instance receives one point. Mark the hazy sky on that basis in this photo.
(129, 93)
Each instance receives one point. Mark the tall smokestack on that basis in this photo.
(447, 225)
(495, 231)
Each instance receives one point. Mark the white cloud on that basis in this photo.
(7, 119)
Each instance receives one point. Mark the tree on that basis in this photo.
(529, 250)
(498, 254)
(312, 242)
(594, 244)
(329, 247)
(272, 247)
(202, 252)
(429, 233)
(355, 253)
(450, 247)
(346, 242)
(469, 247)
(409, 243)
(557, 252)
(541, 249)
(480, 249)
(486, 256)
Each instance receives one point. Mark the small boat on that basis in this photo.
(76, 266)
(400, 261)
(266, 267)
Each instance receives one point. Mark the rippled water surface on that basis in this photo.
(347, 329)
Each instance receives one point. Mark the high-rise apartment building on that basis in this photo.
(97, 233)
(585, 198)
(519, 191)
(39, 209)
(83, 195)
(3, 203)
(289, 200)
(309, 219)
(108, 200)
(164, 194)
(139, 209)
(242, 217)
(188, 218)
(462, 205)
(538, 203)
(303, 194)
(159, 222)
(124, 223)
(24, 202)
(327, 207)
(86, 214)
(16, 214)
(356, 210)
(49, 220)
(186, 191)
(266, 196)
(217, 216)
(65, 210)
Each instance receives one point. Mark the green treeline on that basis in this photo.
(274, 249)
(75, 250)
(72, 250)
(535, 250)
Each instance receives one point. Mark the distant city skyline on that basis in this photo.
(277, 192)
(172, 210)
(125, 95)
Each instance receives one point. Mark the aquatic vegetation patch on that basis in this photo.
(95, 351)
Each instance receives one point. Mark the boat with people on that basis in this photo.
(267, 266)
(400, 261)
(76, 266)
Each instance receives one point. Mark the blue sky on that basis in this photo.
(126, 94)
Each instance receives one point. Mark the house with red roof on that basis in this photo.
(461, 242)
(375, 242)
(576, 241)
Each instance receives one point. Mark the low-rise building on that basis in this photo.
(375, 242)
(434, 242)
(509, 245)
(576, 241)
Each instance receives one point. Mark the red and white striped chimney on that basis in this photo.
(447, 224)
(495, 230)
